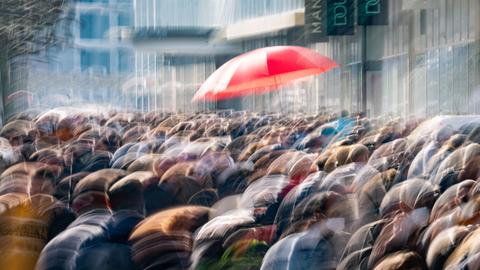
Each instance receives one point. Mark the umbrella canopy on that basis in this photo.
(262, 70)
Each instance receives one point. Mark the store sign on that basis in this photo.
(316, 21)
(372, 12)
(340, 17)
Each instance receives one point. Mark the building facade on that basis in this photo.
(424, 60)
(90, 67)
(100, 36)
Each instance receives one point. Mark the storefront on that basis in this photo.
(420, 58)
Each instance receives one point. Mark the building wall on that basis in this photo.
(164, 82)
(97, 36)
(176, 80)
(88, 69)
(414, 67)
(424, 62)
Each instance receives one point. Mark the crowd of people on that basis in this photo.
(118, 190)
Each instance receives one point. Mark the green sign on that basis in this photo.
(341, 19)
(372, 12)
(316, 21)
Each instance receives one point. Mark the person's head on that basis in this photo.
(344, 113)
(89, 200)
(358, 153)
(91, 191)
(44, 179)
(474, 135)
(127, 195)
(442, 134)
(455, 141)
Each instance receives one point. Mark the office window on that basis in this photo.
(95, 61)
(419, 93)
(124, 19)
(125, 60)
(460, 77)
(423, 22)
(93, 1)
(433, 87)
(93, 25)
(446, 80)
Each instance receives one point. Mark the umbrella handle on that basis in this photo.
(280, 100)
(278, 92)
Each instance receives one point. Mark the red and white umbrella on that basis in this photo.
(262, 70)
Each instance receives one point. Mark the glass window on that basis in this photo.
(433, 90)
(473, 78)
(124, 19)
(95, 61)
(93, 25)
(446, 80)
(460, 78)
(419, 82)
(93, 1)
(125, 58)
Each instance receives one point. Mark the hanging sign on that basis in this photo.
(341, 18)
(316, 21)
(372, 12)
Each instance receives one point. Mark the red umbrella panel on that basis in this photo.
(262, 70)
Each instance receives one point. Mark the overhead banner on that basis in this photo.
(316, 21)
(341, 17)
(372, 12)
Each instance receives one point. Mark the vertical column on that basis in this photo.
(363, 94)
(4, 78)
(411, 60)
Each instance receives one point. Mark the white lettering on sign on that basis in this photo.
(340, 13)
(372, 7)
(317, 15)
(315, 19)
(317, 4)
(317, 28)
